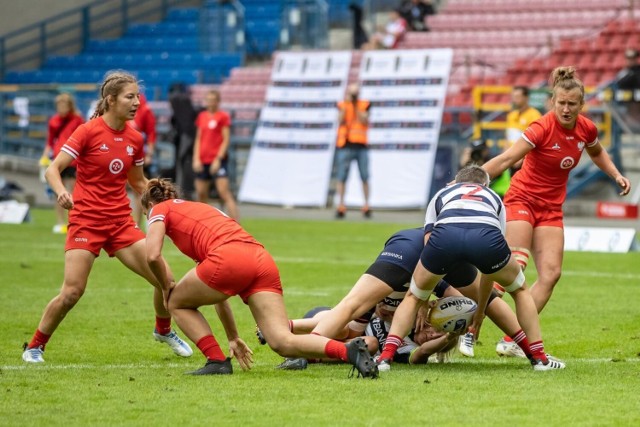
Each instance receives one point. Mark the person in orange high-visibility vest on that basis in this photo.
(351, 145)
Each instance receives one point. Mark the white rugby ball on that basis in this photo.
(452, 314)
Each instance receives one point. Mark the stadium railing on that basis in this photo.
(69, 32)
(305, 24)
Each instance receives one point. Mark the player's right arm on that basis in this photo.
(156, 231)
(52, 175)
(503, 161)
(237, 347)
(421, 354)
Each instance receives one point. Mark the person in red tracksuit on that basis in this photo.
(61, 126)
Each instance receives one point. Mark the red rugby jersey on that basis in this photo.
(104, 156)
(197, 228)
(210, 125)
(556, 151)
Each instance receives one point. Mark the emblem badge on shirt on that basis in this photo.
(104, 148)
(567, 163)
(555, 147)
(116, 166)
(213, 124)
(129, 150)
(581, 145)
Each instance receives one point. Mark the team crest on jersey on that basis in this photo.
(104, 148)
(129, 150)
(567, 163)
(581, 145)
(555, 146)
(116, 166)
(213, 124)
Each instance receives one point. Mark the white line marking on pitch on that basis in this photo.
(79, 366)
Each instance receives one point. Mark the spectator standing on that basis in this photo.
(415, 12)
(61, 126)
(183, 123)
(519, 119)
(628, 85)
(353, 116)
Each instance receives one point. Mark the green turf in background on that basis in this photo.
(103, 367)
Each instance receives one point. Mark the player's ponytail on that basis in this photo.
(113, 83)
(565, 78)
(158, 190)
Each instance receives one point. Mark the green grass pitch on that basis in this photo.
(104, 368)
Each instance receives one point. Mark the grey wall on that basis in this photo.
(16, 14)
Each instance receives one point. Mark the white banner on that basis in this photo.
(292, 152)
(13, 212)
(599, 239)
(407, 90)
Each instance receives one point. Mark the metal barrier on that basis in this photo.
(222, 27)
(69, 32)
(305, 24)
(609, 117)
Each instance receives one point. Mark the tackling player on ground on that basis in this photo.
(464, 224)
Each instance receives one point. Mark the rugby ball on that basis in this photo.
(452, 314)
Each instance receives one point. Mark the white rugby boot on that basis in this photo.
(172, 339)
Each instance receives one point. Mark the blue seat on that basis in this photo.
(183, 14)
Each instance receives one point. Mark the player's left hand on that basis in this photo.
(215, 166)
(241, 351)
(624, 184)
(166, 293)
(65, 200)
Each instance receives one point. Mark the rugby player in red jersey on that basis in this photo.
(229, 262)
(211, 154)
(551, 147)
(109, 153)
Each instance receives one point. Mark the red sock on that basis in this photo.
(537, 351)
(507, 338)
(390, 346)
(210, 348)
(336, 350)
(163, 325)
(521, 339)
(39, 339)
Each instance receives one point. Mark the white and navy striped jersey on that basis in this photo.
(465, 204)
